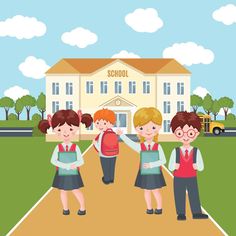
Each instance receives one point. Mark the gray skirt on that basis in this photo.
(150, 181)
(69, 182)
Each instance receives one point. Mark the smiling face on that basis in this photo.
(148, 131)
(187, 134)
(103, 125)
(66, 132)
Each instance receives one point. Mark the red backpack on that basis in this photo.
(109, 143)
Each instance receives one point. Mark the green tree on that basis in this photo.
(28, 102)
(207, 104)
(41, 104)
(215, 108)
(12, 116)
(19, 106)
(7, 103)
(226, 103)
(196, 102)
(231, 117)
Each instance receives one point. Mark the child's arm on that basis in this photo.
(55, 162)
(162, 159)
(200, 164)
(135, 146)
(172, 162)
(80, 160)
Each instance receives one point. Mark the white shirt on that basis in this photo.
(55, 162)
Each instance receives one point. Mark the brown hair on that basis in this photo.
(61, 117)
(105, 114)
(185, 118)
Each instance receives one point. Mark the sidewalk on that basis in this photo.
(117, 209)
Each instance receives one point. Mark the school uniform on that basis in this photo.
(108, 163)
(69, 182)
(152, 181)
(185, 178)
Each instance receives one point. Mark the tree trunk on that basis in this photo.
(215, 116)
(6, 113)
(226, 113)
(42, 113)
(28, 113)
(18, 115)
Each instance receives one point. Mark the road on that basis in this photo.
(117, 209)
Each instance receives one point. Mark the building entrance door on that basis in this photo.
(121, 121)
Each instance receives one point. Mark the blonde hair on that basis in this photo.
(145, 115)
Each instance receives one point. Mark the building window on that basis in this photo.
(166, 88)
(180, 106)
(103, 86)
(90, 127)
(166, 107)
(69, 105)
(55, 88)
(180, 88)
(89, 87)
(55, 106)
(118, 87)
(69, 88)
(166, 126)
(146, 86)
(132, 87)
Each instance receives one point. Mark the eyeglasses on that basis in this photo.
(190, 133)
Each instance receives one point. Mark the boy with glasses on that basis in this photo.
(185, 161)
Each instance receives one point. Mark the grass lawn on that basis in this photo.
(26, 174)
(217, 181)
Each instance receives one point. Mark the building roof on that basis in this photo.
(90, 65)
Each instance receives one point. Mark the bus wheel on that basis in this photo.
(216, 131)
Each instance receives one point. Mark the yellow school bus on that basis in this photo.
(209, 126)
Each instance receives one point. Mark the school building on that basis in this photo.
(122, 85)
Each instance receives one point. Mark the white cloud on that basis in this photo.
(189, 53)
(225, 14)
(144, 20)
(221, 112)
(33, 67)
(16, 92)
(22, 27)
(201, 92)
(79, 37)
(125, 54)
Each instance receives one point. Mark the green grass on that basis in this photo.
(217, 181)
(228, 123)
(18, 123)
(26, 174)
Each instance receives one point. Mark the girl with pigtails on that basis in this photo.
(67, 156)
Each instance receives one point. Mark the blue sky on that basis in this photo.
(184, 21)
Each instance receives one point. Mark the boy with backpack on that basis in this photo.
(106, 143)
(185, 161)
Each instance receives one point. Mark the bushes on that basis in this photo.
(12, 117)
(231, 117)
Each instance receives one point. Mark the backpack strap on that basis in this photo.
(177, 159)
(194, 155)
(73, 147)
(61, 148)
(143, 147)
(155, 147)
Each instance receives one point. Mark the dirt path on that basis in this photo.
(117, 209)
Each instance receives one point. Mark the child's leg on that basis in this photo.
(148, 198)
(157, 195)
(80, 197)
(64, 200)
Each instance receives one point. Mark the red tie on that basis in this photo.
(149, 147)
(186, 155)
(67, 148)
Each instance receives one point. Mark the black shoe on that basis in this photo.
(149, 211)
(81, 213)
(66, 212)
(181, 217)
(200, 216)
(111, 181)
(158, 211)
(104, 181)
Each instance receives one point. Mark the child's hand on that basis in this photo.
(73, 167)
(195, 166)
(177, 166)
(119, 132)
(146, 165)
